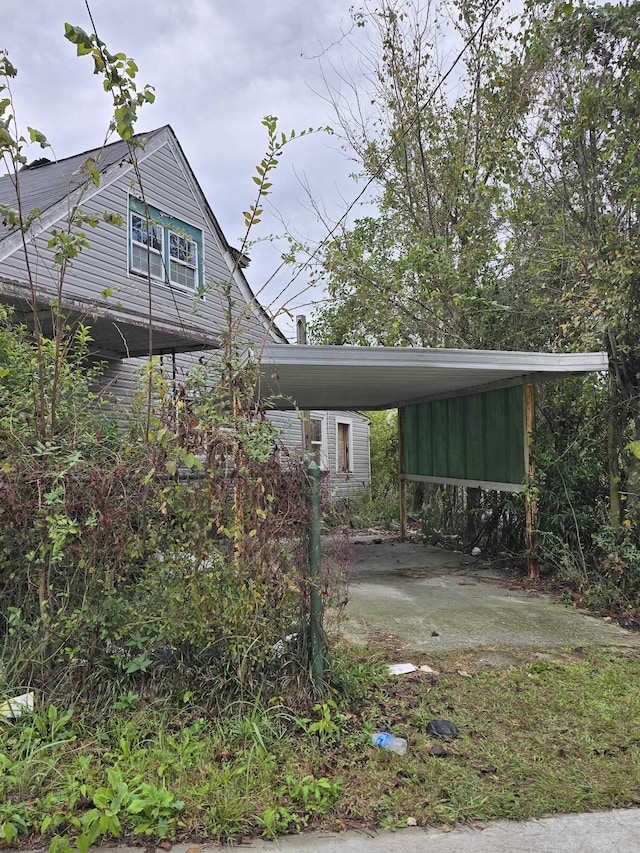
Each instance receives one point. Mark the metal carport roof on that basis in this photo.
(335, 377)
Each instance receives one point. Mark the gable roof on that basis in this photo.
(50, 186)
(43, 186)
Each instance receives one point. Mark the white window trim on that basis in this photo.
(324, 439)
(166, 280)
(349, 423)
(192, 267)
(156, 252)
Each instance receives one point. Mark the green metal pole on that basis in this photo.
(401, 472)
(315, 565)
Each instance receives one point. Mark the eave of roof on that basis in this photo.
(49, 184)
(332, 377)
(115, 333)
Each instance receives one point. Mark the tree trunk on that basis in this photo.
(474, 501)
(613, 465)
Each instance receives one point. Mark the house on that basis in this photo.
(183, 302)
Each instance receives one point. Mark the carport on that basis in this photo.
(465, 417)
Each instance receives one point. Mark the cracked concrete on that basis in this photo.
(432, 599)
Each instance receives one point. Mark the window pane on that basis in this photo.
(137, 228)
(316, 429)
(139, 261)
(173, 254)
(182, 249)
(344, 440)
(181, 274)
(151, 236)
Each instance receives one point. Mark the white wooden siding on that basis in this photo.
(104, 265)
(346, 485)
(121, 384)
(169, 187)
(340, 485)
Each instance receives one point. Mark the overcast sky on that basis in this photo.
(217, 67)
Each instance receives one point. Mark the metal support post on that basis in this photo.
(313, 581)
(402, 481)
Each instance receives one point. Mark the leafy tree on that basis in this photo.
(425, 270)
(576, 217)
(507, 207)
(428, 270)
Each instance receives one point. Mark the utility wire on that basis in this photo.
(394, 147)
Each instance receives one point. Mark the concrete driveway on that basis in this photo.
(430, 599)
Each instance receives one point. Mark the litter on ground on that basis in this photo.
(405, 668)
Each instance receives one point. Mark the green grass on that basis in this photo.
(550, 733)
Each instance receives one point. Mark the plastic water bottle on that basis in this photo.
(389, 741)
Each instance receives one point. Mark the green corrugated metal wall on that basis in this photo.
(476, 437)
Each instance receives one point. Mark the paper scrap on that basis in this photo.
(18, 705)
(401, 668)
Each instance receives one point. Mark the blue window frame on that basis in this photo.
(170, 249)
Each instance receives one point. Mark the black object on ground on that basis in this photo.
(442, 728)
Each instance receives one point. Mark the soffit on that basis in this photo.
(114, 333)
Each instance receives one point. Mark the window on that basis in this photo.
(344, 449)
(145, 235)
(184, 260)
(318, 440)
(173, 247)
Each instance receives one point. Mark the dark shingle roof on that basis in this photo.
(43, 186)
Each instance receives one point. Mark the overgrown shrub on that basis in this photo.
(166, 558)
(68, 497)
(576, 535)
(130, 560)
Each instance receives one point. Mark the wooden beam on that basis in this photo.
(492, 485)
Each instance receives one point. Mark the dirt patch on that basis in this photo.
(382, 644)
(538, 586)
